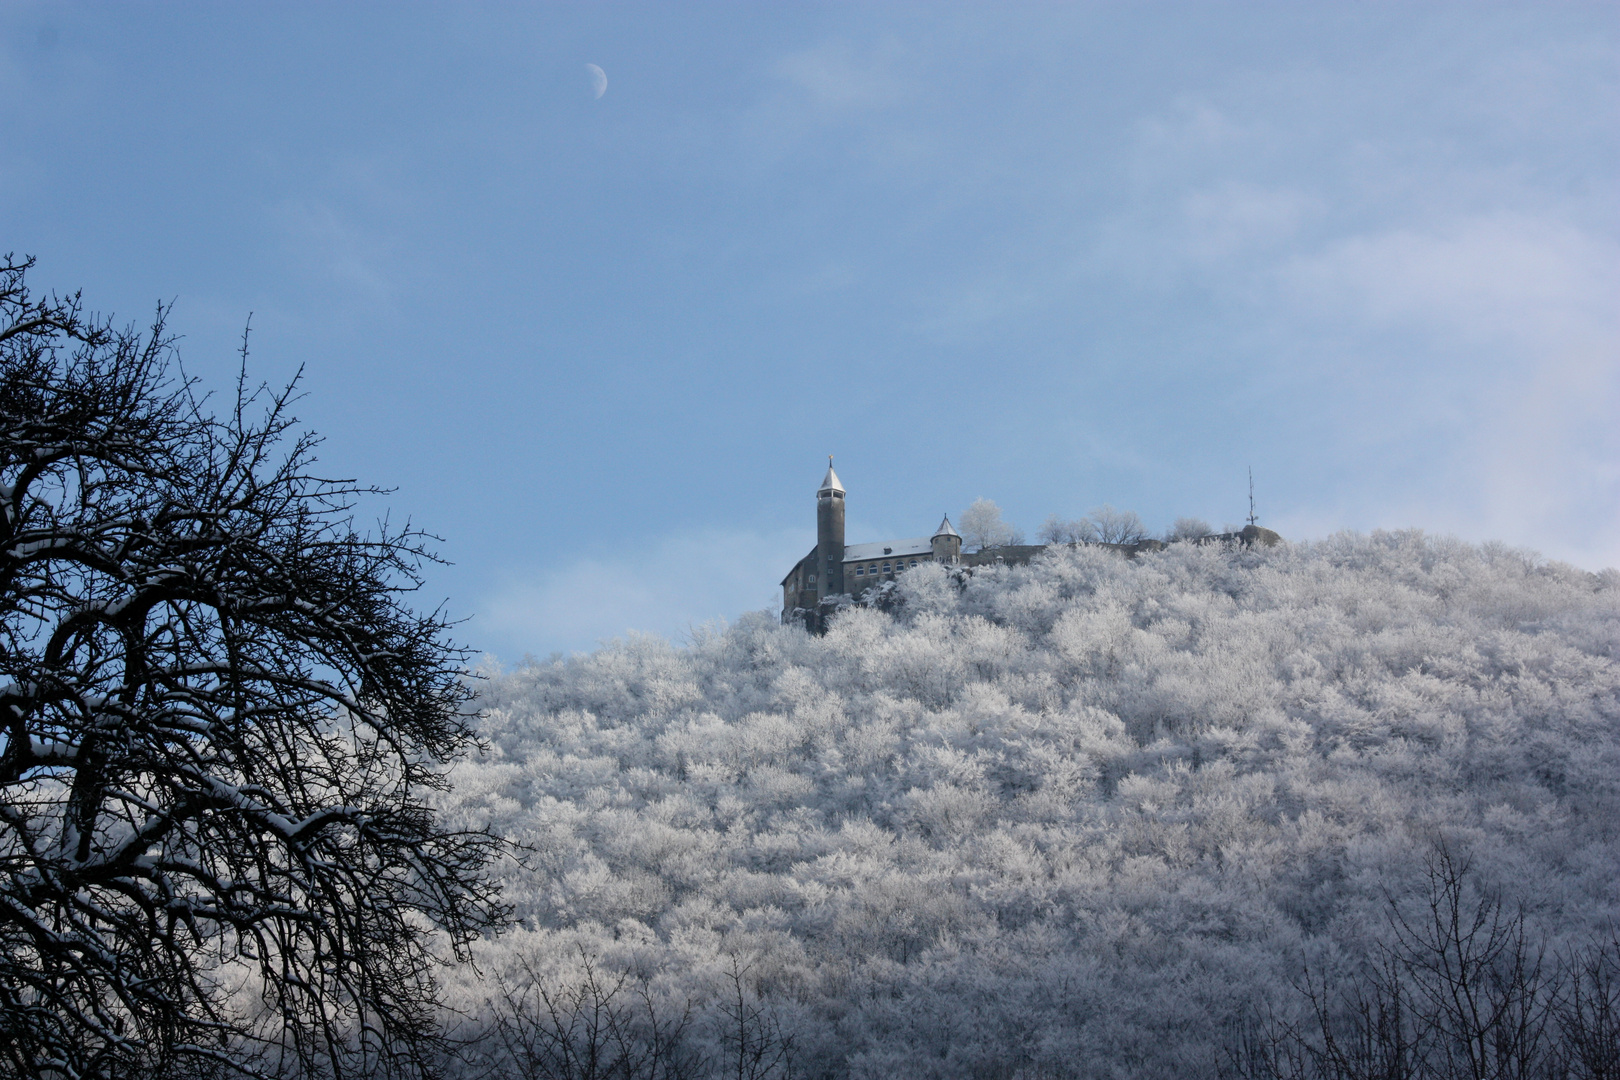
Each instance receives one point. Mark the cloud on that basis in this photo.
(1238, 218)
(1190, 128)
(1538, 283)
(1432, 331)
(332, 245)
(676, 583)
(1511, 318)
(838, 77)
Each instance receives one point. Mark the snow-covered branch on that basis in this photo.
(220, 719)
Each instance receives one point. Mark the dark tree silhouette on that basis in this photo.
(221, 720)
(608, 1024)
(1460, 992)
(598, 1026)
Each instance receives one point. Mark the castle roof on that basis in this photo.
(885, 549)
(830, 481)
(945, 528)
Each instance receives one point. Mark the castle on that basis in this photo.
(835, 572)
(834, 569)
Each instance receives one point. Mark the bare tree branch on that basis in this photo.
(220, 718)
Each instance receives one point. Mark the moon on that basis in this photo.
(598, 79)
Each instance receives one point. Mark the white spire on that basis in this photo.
(945, 528)
(830, 481)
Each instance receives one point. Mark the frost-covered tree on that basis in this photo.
(1188, 528)
(1083, 817)
(982, 526)
(1059, 530)
(1105, 525)
(221, 719)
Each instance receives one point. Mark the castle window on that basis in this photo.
(913, 562)
(859, 570)
(886, 568)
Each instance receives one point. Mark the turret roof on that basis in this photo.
(830, 481)
(945, 528)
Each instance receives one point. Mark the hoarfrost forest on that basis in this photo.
(1089, 817)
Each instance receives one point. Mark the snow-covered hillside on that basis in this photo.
(1072, 819)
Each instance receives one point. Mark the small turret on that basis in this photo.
(947, 542)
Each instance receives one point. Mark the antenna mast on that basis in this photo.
(1251, 495)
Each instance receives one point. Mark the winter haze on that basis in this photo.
(595, 289)
(1051, 255)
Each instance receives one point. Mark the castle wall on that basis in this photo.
(863, 574)
(1007, 555)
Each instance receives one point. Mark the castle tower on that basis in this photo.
(829, 535)
(947, 543)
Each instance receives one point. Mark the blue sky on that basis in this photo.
(1054, 255)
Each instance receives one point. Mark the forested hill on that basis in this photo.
(1078, 818)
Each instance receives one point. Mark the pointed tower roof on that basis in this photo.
(830, 481)
(945, 528)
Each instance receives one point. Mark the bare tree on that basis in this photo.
(597, 1026)
(220, 722)
(1479, 980)
(755, 1046)
(982, 526)
(1460, 992)
(601, 1025)
(1587, 1008)
(1105, 525)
